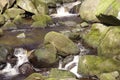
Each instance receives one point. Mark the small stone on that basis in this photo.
(21, 35)
(84, 24)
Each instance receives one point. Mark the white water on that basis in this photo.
(74, 69)
(10, 71)
(64, 10)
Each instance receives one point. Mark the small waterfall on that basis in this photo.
(64, 10)
(10, 71)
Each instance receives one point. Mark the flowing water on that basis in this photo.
(64, 9)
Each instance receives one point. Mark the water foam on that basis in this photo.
(10, 71)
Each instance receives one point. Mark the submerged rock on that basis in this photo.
(63, 44)
(96, 34)
(110, 76)
(95, 65)
(110, 45)
(45, 57)
(35, 76)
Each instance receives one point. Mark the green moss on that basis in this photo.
(109, 45)
(95, 65)
(110, 76)
(61, 42)
(96, 34)
(59, 74)
(35, 76)
(47, 54)
(41, 20)
(103, 6)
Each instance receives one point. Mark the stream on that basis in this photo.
(34, 38)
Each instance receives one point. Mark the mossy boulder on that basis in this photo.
(11, 13)
(88, 9)
(41, 20)
(45, 57)
(110, 45)
(62, 43)
(41, 6)
(60, 74)
(96, 34)
(35, 76)
(110, 76)
(104, 10)
(95, 65)
(27, 5)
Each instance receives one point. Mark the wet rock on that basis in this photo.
(107, 14)
(35, 76)
(96, 34)
(45, 57)
(9, 25)
(16, 11)
(95, 65)
(41, 20)
(27, 5)
(26, 69)
(63, 44)
(62, 74)
(109, 45)
(2, 19)
(110, 76)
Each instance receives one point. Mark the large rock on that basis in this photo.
(110, 76)
(110, 44)
(27, 5)
(16, 11)
(88, 9)
(45, 57)
(41, 6)
(105, 10)
(96, 34)
(63, 44)
(94, 65)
